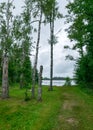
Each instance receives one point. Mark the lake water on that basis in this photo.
(56, 82)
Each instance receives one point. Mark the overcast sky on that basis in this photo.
(62, 67)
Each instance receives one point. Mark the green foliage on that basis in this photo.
(6, 26)
(67, 82)
(15, 40)
(54, 40)
(27, 97)
(49, 7)
(83, 72)
(80, 14)
(16, 35)
(27, 71)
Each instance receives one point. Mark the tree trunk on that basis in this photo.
(52, 19)
(40, 84)
(5, 87)
(51, 54)
(36, 57)
(51, 68)
(21, 81)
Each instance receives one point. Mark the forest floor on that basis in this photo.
(65, 108)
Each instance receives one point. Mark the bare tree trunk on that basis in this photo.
(5, 87)
(40, 84)
(36, 57)
(21, 81)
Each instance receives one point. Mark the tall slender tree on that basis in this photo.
(52, 18)
(51, 14)
(39, 5)
(5, 42)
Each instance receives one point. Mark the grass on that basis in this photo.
(65, 108)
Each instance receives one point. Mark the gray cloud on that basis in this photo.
(63, 67)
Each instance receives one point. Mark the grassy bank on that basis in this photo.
(66, 108)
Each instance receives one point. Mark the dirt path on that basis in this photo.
(73, 113)
(67, 117)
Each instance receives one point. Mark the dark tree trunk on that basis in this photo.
(52, 19)
(51, 54)
(21, 81)
(40, 84)
(51, 68)
(5, 87)
(36, 56)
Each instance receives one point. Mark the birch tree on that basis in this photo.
(5, 42)
(39, 5)
(40, 84)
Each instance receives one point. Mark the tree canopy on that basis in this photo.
(80, 14)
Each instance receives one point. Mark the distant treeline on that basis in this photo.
(58, 78)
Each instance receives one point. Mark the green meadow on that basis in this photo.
(65, 108)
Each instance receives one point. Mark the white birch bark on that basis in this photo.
(40, 84)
